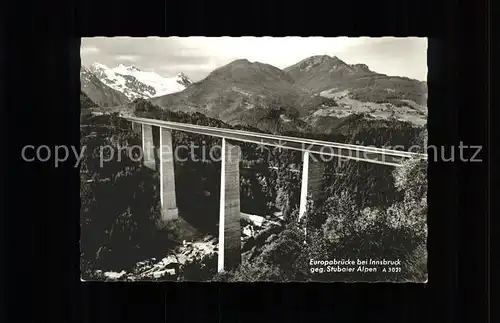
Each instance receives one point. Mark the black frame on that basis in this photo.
(40, 229)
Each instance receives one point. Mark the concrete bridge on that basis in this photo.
(229, 220)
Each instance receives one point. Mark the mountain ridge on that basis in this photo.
(325, 73)
(244, 92)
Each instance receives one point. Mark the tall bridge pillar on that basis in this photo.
(312, 181)
(159, 156)
(136, 127)
(229, 219)
(167, 176)
(148, 146)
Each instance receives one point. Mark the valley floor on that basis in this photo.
(169, 267)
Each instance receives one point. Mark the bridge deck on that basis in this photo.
(324, 148)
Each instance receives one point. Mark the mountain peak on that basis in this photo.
(322, 59)
(361, 67)
(317, 62)
(320, 72)
(242, 70)
(243, 62)
(122, 68)
(98, 65)
(130, 68)
(240, 60)
(182, 78)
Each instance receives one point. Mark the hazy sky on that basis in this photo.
(198, 56)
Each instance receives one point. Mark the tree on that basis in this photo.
(410, 214)
(340, 212)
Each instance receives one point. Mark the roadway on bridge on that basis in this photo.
(316, 147)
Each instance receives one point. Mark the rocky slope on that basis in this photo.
(86, 102)
(98, 92)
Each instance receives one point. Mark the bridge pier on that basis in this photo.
(167, 176)
(148, 146)
(312, 181)
(136, 127)
(229, 219)
(159, 156)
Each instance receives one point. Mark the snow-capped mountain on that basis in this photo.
(98, 92)
(134, 83)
